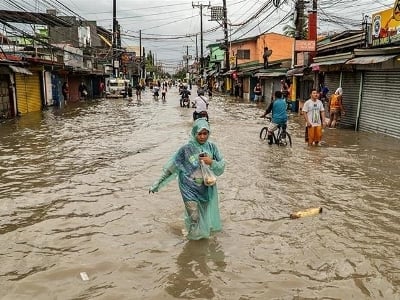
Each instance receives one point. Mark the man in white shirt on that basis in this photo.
(201, 105)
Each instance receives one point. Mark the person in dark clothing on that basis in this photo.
(130, 91)
(83, 92)
(65, 91)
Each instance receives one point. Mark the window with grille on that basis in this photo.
(243, 54)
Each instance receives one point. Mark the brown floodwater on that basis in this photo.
(74, 198)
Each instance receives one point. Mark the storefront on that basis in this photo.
(28, 91)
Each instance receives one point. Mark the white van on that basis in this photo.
(115, 87)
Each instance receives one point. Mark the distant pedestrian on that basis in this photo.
(314, 115)
(163, 92)
(138, 89)
(83, 91)
(257, 92)
(336, 108)
(130, 91)
(237, 89)
(65, 91)
(101, 89)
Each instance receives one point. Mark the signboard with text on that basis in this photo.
(386, 27)
(304, 46)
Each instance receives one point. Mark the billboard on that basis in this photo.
(386, 26)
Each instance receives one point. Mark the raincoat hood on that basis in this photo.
(198, 126)
(339, 91)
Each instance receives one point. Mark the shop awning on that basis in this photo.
(230, 72)
(20, 70)
(296, 71)
(271, 74)
(367, 60)
(329, 62)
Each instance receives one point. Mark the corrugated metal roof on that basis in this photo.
(32, 18)
(20, 70)
(271, 74)
(367, 60)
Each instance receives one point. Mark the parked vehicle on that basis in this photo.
(116, 87)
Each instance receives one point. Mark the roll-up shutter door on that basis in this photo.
(28, 92)
(351, 93)
(380, 106)
(332, 81)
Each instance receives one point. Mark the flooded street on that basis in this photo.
(74, 198)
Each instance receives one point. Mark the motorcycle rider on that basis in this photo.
(185, 93)
(201, 105)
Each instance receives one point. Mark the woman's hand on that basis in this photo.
(207, 160)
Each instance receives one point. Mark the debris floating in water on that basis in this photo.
(306, 213)
(84, 276)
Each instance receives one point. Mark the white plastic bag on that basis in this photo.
(209, 177)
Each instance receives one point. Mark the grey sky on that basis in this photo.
(169, 26)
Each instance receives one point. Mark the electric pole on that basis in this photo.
(226, 41)
(140, 54)
(312, 26)
(201, 34)
(114, 40)
(299, 23)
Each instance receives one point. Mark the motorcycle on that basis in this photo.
(198, 115)
(185, 102)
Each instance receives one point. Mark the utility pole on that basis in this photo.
(144, 64)
(299, 22)
(114, 40)
(187, 59)
(140, 54)
(197, 56)
(226, 41)
(312, 26)
(201, 34)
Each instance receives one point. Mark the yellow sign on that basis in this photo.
(385, 28)
(396, 10)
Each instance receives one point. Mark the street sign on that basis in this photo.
(217, 13)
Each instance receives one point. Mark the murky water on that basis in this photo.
(74, 198)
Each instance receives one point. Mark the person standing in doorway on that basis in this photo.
(314, 115)
(102, 89)
(65, 92)
(83, 92)
(257, 92)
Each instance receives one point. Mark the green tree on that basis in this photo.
(290, 29)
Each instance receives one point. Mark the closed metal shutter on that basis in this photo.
(380, 106)
(351, 93)
(332, 81)
(28, 92)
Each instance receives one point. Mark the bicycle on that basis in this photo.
(280, 136)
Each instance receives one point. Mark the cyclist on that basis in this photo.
(279, 115)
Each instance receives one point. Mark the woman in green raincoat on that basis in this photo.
(201, 201)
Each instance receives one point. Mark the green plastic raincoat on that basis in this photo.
(202, 215)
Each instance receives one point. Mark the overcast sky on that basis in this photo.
(169, 27)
